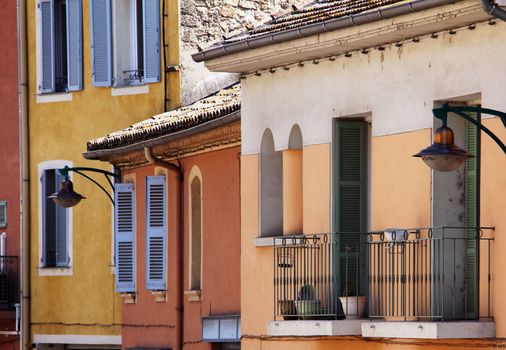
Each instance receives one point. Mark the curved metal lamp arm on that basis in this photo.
(65, 172)
(442, 114)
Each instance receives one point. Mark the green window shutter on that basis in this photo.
(472, 208)
(350, 184)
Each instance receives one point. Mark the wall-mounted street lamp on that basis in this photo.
(443, 154)
(66, 197)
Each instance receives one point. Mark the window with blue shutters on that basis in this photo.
(60, 33)
(156, 233)
(124, 232)
(132, 57)
(55, 242)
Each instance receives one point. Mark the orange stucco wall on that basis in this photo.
(154, 324)
(292, 191)
(400, 196)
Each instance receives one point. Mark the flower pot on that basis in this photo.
(287, 308)
(308, 309)
(353, 307)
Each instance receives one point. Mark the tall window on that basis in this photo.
(292, 183)
(60, 38)
(125, 38)
(349, 202)
(55, 242)
(195, 230)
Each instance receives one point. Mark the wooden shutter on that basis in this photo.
(472, 204)
(61, 228)
(101, 42)
(47, 83)
(350, 201)
(124, 230)
(156, 227)
(151, 40)
(74, 45)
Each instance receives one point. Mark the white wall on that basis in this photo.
(398, 86)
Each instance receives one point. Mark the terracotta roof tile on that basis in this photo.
(316, 12)
(209, 108)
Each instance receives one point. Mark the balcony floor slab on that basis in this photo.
(308, 328)
(429, 330)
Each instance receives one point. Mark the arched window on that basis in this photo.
(271, 187)
(292, 183)
(195, 221)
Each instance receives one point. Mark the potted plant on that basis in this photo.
(307, 305)
(353, 305)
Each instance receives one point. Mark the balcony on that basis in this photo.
(422, 275)
(9, 281)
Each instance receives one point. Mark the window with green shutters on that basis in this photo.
(60, 39)
(349, 203)
(472, 211)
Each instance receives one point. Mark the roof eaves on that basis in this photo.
(225, 49)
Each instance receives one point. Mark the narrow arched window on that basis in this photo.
(292, 183)
(195, 229)
(271, 187)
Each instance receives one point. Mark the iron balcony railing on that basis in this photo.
(396, 274)
(9, 281)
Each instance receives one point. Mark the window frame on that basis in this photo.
(195, 173)
(53, 270)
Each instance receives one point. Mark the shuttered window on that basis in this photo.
(124, 230)
(156, 233)
(349, 199)
(136, 45)
(3, 214)
(55, 243)
(101, 42)
(61, 45)
(472, 204)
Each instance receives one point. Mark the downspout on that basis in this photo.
(180, 244)
(492, 9)
(25, 178)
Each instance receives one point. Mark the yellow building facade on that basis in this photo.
(72, 296)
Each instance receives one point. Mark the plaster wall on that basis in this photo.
(10, 181)
(398, 85)
(84, 302)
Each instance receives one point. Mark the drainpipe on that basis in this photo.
(492, 9)
(180, 244)
(25, 178)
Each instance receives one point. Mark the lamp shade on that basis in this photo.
(443, 154)
(66, 197)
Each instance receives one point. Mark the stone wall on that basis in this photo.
(204, 22)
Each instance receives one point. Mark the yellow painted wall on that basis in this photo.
(86, 302)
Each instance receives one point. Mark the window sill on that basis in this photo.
(193, 295)
(269, 241)
(54, 97)
(429, 330)
(56, 271)
(314, 328)
(128, 298)
(130, 90)
(159, 295)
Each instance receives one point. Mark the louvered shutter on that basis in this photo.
(156, 227)
(74, 45)
(151, 40)
(101, 42)
(472, 176)
(3, 213)
(47, 83)
(350, 202)
(61, 227)
(124, 230)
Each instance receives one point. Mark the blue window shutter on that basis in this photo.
(47, 36)
(151, 40)
(124, 230)
(101, 42)
(62, 229)
(74, 45)
(156, 231)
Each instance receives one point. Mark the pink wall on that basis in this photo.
(154, 324)
(9, 135)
